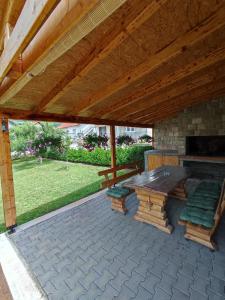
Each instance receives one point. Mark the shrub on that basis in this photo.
(100, 156)
(91, 141)
(145, 138)
(124, 140)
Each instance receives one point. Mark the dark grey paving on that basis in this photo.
(91, 252)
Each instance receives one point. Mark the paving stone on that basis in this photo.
(183, 284)
(119, 280)
(102, 281)
(87, 242)
(134, 281)
(150, 283)
(187, 269)
(143, 294)
(166, 283)
(161, 295)
(200, 285)
(195, 295)
(74, 279)
(178, 295)
(217, 285)
(109, 293)
(128, 267)
(88, 279)
(92, 293)
(125, 294)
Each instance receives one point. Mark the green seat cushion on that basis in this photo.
(198, 216)
(117, 192)
(205, 196)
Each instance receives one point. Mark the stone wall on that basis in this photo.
(205, 119)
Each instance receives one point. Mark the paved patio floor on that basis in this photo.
(91, 252)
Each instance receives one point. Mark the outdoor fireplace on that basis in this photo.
(205, 145)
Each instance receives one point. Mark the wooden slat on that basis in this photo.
(65, 16)
(5, 293)
(198, 33)
(123, 106)
(90, 62)
(32, 16)
(10, 11)
(8, 196)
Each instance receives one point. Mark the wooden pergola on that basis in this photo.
(112, 62)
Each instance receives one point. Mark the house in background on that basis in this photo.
(77, 131)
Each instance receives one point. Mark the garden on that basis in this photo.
(48, 174)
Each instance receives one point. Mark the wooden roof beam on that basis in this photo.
(196, 34)
(178, 90)
(90, 62)
(33, 14)
(205, 93)
(19, 114)
(123, 107)
(10, 11)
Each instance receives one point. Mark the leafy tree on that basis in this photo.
(37, 139)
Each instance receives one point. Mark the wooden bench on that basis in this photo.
(201, 221)
(118, 194)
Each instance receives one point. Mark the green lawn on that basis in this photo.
(41, 188)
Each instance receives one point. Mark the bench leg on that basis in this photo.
(119, 205)
(201, 236)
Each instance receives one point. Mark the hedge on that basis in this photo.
(100, 156)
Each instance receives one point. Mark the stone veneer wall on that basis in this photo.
(204, 119)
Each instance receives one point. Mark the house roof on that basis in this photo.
(67, 125)
(128, 62)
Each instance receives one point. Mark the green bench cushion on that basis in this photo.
(117, 192)
(198, 216)
(205, 196)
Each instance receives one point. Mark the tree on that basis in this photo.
(38, 139)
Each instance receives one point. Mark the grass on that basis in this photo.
(41, 188)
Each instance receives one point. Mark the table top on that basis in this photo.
(162, 180)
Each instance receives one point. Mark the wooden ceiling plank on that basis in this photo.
(198, 33)
(77, 73)
(125, 107)
(216, 89)
(178, 90)
(30, 19)
(47, 44)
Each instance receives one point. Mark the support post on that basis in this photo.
(8, 196)
(113, 148)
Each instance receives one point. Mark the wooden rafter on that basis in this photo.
(33, 14)
(123, 107)
(97, 56)
(198, 33)
(10, 11)
(175, 105)
(66, 15)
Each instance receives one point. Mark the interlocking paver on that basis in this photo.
(143, 294)
(161, 295)
(90, 252)
(119, 280)
(134, 281)
(102, 281)
(150, 283)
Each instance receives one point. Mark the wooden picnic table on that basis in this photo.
(152, 189)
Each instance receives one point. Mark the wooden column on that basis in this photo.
(8, 196)
(113, 148)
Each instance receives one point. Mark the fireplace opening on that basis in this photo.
(205, 145)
